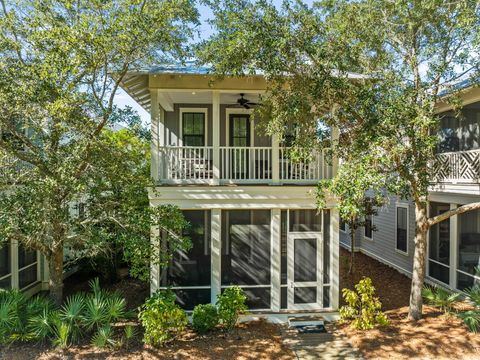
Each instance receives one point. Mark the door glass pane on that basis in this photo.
(305, 295)
(305, 220)
(283, 247)
(5, 260)
(305, 259)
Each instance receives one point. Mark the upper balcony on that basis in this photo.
(460, 167)
(239, 165)
(203, 132)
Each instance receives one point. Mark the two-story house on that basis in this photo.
(454, 244)
(252, 210)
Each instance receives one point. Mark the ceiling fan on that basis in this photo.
(243, 102)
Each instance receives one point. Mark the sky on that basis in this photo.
(122, 99)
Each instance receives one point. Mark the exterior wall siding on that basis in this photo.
(383, 244)
(172, 126)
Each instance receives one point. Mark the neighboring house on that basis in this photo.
(454, 244)
(252, 211)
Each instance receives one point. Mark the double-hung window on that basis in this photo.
(402, 229)
(368, 227)
(193, 128)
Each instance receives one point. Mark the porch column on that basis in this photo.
(216, 135)
(454, 232)
(275, 263)
(216, 255)
(14, 264)
(155, 273)
(275, 159)
(334, 258)
(335, 137)
(154, 127)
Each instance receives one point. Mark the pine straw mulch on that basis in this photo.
(436, 336)
(256, 340)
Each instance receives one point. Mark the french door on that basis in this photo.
(304, 270)
(240, 141)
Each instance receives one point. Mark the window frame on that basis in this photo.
(203, 111)
(371, 228)
(340, 222)
(407, 207)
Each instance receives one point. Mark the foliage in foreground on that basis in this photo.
(81, 315)
(231, 304)
(471, 318)
(204, 318)
(439, 297)
(162, 319)
(363, 309)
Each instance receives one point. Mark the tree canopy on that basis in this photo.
(61, 64)
(374, 70)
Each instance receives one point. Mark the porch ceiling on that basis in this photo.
(190, 88)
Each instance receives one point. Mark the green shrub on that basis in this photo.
(230, 304)
(161, 318)
(204, 318)
(23, 319)
(471, 318)
(439, 297)
(363, 308)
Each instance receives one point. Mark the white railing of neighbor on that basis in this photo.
(460, 166)
(193, 164)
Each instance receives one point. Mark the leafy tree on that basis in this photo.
(406, 52)
(61, 64)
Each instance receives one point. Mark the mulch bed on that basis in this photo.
(253, 340)
(392, 287)
(435, 336)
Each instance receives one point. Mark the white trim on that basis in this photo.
(215, 254)
(453, 254)
(235, 111)
(318, 284)
(192, 110)
(275, 259)
(404, 206)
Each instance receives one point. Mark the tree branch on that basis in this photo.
(460, 210)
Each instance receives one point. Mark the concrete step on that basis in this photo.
(294, 321)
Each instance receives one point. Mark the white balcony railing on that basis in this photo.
(188, 164)
(181, 163)
(457, 167)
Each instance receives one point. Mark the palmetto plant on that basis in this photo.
(471, 318)
(72, 314)
(104, 337)
(439, 297)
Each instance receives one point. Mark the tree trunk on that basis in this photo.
(55, 267)
(418, 275)
(352, 250)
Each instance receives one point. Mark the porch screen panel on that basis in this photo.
(469, 250)
(5, 266)
(305, 220)
(189, 271)
(27, 264)
(439, 246)
(246, 254)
